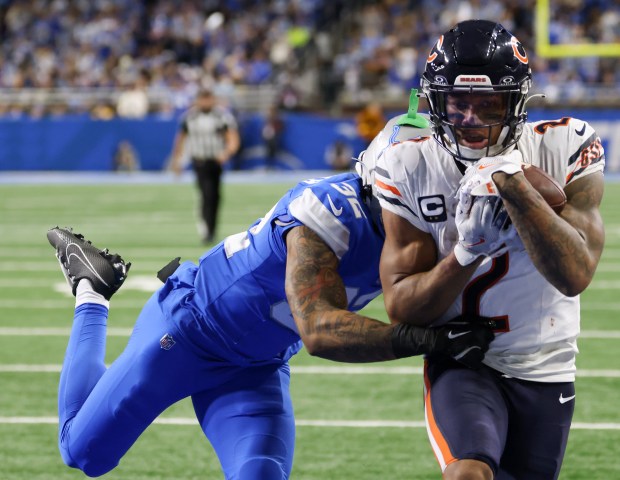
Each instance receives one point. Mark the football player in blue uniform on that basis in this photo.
(223, 331)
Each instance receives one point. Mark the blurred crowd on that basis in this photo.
(151, 56)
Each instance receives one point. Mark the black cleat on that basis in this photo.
(80, 259)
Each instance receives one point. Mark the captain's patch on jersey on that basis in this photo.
(433, 208)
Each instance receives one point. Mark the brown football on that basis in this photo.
(546, 185)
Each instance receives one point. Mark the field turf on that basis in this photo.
(357, 422)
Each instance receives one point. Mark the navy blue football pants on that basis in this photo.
(519, 428)
(246, 413)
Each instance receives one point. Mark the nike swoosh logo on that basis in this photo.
(83, 260)
(479, 242)
(280, 223)
(482, 167)
(566, 399)
(465, 352)
(335, 211)
(582, 131)
(452, 336)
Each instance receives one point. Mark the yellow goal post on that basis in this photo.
(564, 50)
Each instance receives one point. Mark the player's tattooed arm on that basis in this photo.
(565, 249)
(317, 297)
(318, 301)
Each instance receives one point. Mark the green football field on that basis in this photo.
(354, 421)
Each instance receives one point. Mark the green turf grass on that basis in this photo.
(150, 224)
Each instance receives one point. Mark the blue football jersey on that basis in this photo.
(239, 284)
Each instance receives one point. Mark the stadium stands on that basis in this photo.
(77, 57)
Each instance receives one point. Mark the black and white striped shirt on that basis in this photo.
(206, 131)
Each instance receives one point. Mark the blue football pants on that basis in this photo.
(246, 413)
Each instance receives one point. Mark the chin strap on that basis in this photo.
(460, 165)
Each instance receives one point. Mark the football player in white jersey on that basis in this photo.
(448, 252)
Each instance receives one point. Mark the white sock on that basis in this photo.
(86, 294)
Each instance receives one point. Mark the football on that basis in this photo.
(546, 185)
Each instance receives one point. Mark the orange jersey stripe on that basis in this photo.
(439, 439)
(390, 188)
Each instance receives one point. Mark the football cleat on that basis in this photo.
(80, 259)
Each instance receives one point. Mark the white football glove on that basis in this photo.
(484, 228)
(479, 177)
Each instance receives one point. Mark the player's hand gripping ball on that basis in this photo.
(546, 185)
(478, 179)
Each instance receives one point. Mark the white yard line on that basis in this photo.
(182, 421)
(310, 370)
(599, 334)
(125, 332)
(55, 332)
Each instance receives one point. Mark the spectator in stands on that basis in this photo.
(212, 138)
(365, 46)
(134, 102)
(102, 111)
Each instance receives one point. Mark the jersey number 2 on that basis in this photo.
(472, 294)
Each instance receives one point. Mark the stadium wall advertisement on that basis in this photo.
(78, 144)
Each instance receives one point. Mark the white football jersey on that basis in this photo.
(393, 132)
(418, 180)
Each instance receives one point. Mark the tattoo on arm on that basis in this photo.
(317, 298)
(565, 250)
(312, 272)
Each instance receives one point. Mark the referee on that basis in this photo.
(212, 138)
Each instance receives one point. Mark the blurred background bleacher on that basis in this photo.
(80, 77)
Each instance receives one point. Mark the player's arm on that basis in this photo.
(565, 248)
(318, 302)
(416, 289)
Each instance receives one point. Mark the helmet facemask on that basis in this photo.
(475, 122)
